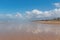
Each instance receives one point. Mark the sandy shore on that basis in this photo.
(30, 31)
(48, 22)
(30, 36)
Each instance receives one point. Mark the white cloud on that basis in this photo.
(34, 14)
(47, 14)
(42, 14)
(37, 14)
(9, 15)
(35, 11)
(28, 12)
(57, 4)
(18, 15)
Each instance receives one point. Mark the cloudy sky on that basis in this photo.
(29, 9)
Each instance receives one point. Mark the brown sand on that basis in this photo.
(48, 22)
(30, 36)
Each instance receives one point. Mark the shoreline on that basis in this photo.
(48, 22)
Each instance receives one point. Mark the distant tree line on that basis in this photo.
(54, 19)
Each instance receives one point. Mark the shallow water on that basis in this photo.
(29, 31)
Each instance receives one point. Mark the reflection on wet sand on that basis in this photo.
(29, 31)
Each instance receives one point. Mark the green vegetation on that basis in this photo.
(57, 19)
(54, 19)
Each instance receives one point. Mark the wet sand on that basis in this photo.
(30, 36)
(29, 31)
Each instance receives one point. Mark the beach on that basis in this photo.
(30, 36)
(29, 31)
(48, 22)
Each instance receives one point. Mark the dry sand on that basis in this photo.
(48, 22)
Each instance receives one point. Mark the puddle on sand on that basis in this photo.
(29, 31)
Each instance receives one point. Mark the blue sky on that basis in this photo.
(23, 5)
(26, 7)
